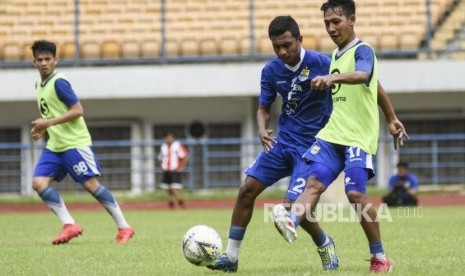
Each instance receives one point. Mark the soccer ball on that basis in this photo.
(201, 245)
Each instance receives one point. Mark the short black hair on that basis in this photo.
(283, 23)
(43, 46)
(347, 6)
(168, 133)
(403, 164)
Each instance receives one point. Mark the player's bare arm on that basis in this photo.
(396, 128)
(323, 82)
(263, 119)
(74, 112)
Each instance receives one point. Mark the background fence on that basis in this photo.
(126, 165)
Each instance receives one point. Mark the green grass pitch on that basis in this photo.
(431, 242)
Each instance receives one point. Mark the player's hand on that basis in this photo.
(398, 132)
(37, 134)
(267, 140)
(40, 124)
(321, 82)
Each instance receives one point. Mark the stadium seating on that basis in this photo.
(133, 28)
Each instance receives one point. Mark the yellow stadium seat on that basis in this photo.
(130, 48)
(90, 49)
(150, 47)
(409, 41)
(208, 46)
(111, 49)
(310, 42)
(12, 52)
(67, 50)
(388, 41)
(189, 47)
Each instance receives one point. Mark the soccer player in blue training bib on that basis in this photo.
(68, 149)
(350, 138)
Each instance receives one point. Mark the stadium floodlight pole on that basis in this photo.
(252, 27)
(77, 56)
(163, 32)
(428, 28)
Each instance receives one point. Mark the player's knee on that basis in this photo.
(248, 192)
(314, 186)
(39, 185)
(356, 197)
(91, 185)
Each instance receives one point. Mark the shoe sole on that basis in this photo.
(279, 218)
(63, 241)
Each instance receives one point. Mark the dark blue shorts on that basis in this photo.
(281, 161)
(81, 164)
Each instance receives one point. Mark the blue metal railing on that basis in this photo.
(436, 159)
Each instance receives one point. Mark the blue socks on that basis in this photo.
(50, 196)
(53, 200)
(108, 201)
(104, 196)
(376, 250)
(321, 240)
(236, 232)
(236, 235)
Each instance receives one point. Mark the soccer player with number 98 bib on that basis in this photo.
(68, 149)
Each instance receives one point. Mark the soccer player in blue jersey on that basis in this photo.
(68, 149)
(349, 140)
(303, 113)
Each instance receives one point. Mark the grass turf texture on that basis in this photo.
(432, 244)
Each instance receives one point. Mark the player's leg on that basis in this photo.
(84, 168)
(166, 182)
(266, 170)
(50, 168)
(325, 160)
(176, 188)
(171, 197)
(359, 169)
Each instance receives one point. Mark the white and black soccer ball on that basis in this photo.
(201, 245)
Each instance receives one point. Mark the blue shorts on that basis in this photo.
(81, 164)
(337, 158)
(281, 161)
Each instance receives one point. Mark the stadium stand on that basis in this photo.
(450, 35)
(116, 29)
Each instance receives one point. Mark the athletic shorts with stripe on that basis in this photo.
(281, 161)
(81, 164)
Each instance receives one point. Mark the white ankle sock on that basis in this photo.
(232, 251)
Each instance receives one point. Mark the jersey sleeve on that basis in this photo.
(182, 152)
(267, 93)
(364, 59)
(413, 182)
(65, 93)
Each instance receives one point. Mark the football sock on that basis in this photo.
(321, 240)
(376, 250)
(53, 200)
(107, 200)
(236, 234)
(295, 219)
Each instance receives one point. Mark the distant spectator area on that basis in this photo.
(115, 29)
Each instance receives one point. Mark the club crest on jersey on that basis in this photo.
(315, 149)
(304, 74)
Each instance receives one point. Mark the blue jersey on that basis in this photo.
(304, 111)
(409, 181)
